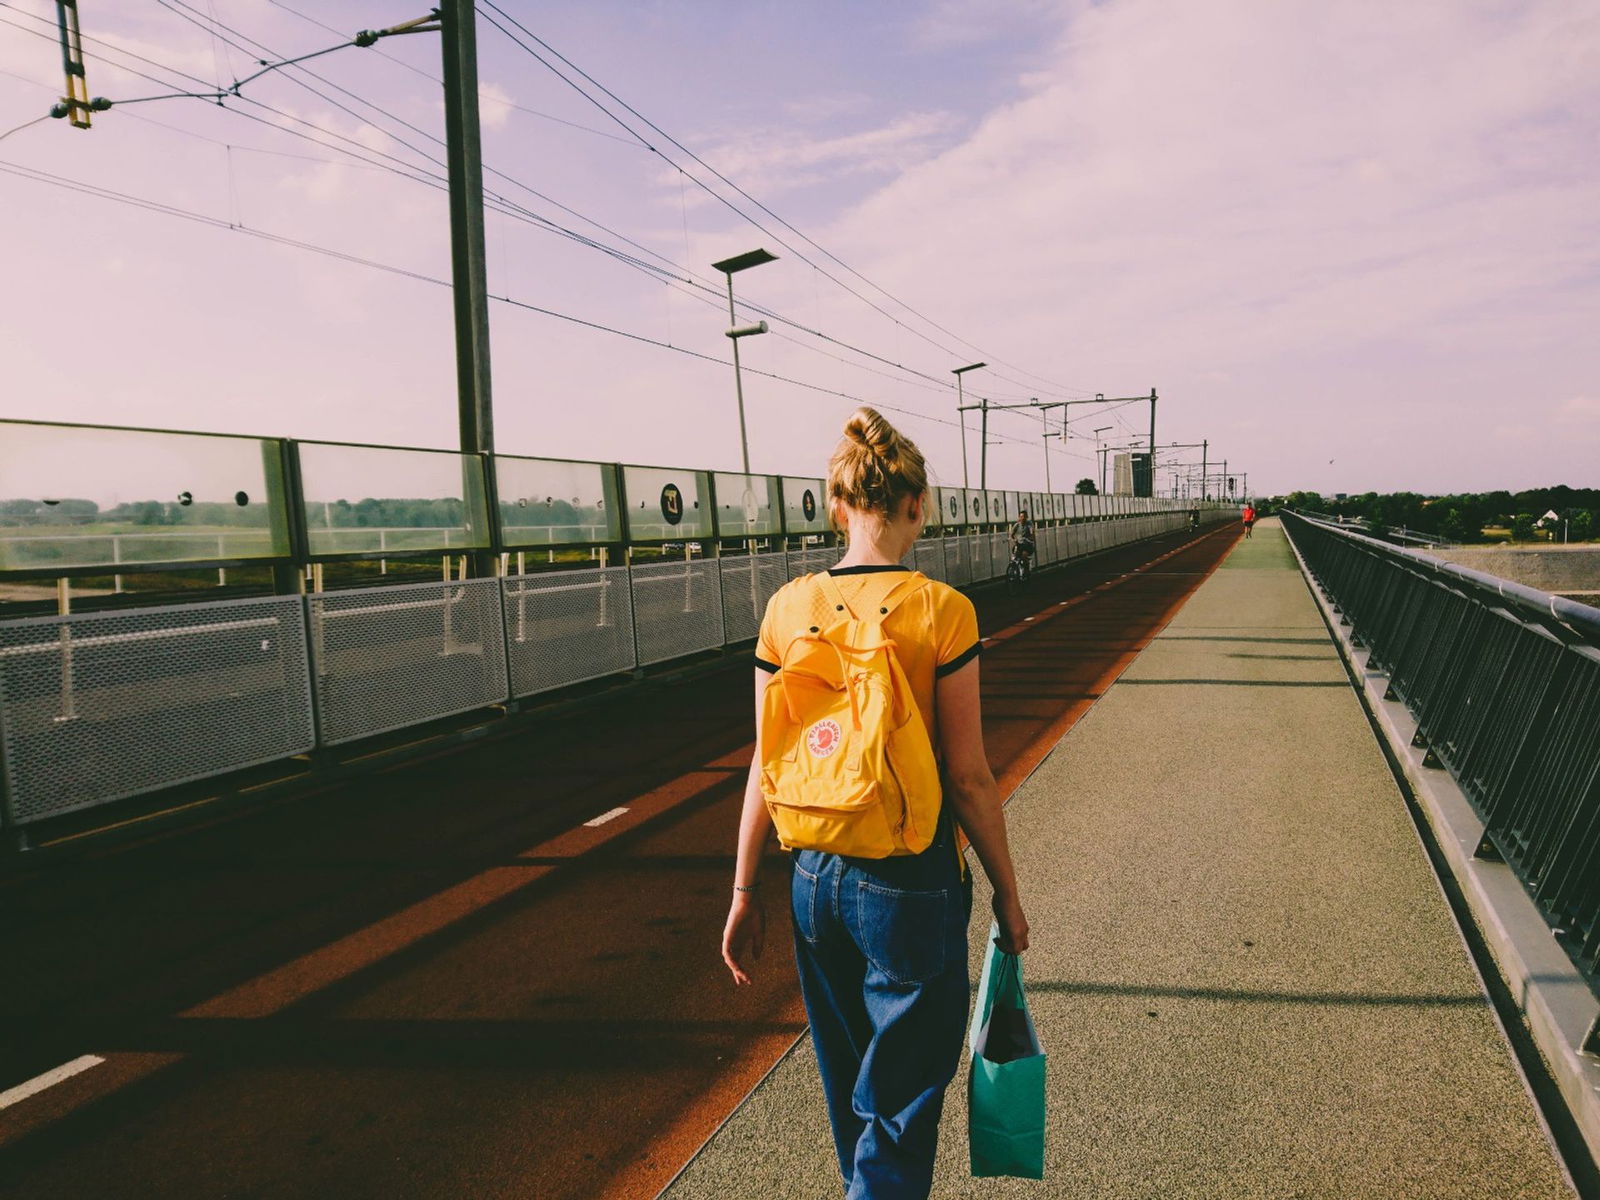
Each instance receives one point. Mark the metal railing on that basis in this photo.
(1504, 682)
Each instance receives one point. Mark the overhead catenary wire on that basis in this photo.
(236, 38)
(419, 173)
(491, 5)
(415, 70)
(162, 208)
(24, 125)
(228, 36)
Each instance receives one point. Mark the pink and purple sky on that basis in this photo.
(1355, 246)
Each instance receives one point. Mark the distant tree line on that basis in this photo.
(449, 511)
(1464, 517)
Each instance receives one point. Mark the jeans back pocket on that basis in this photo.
(902, 933)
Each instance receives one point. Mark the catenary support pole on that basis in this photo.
(1152, 441)
(983, 453)
(469, 269)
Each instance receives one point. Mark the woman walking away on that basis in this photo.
(870, 763)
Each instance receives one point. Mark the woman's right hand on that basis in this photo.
(1008, 913)
(745, 935)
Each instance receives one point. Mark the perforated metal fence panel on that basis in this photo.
(102, 706)
(978, 557)
(809, 562)
(1057, 537)
(999, 553)
(929, 558)
(567, 627)
(748, 582)
(957, 561)
(385, 658)
(677, 609)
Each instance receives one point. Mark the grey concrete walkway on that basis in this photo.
(1243, 970)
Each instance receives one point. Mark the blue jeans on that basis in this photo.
(882, 950)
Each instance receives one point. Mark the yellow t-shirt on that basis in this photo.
(935, 631)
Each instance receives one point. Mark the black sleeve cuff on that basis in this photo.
(959, 661)
(769, 668)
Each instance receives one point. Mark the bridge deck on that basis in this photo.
(437, 979)
(1244, 973)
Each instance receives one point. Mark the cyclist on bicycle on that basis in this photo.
(1022, 540)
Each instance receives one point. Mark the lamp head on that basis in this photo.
(743, 262)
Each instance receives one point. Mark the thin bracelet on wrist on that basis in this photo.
(754, 887)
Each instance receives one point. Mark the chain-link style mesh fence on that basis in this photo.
(384, 658)
(677, 609)
(748, 582)
(102, 706)
(568, 627)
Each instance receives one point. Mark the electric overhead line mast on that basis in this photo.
(76, 104)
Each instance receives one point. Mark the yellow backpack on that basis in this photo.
(847, 765)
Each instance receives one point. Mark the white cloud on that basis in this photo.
(1341, 196)
(494, 105)
(769, 162)
(955, 23)
(1582, 409)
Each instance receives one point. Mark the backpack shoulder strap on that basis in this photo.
(830, 591)
(901, 592)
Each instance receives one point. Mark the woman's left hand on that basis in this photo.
(745, 935)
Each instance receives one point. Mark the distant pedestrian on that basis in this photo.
(1249, 517)
(880, 920)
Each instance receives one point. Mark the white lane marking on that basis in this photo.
(605, 816)
(39, 1082)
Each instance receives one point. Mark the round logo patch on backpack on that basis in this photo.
(823, 738)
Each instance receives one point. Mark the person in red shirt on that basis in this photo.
(1249, 517)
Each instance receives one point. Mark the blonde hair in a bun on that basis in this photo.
(875, 468)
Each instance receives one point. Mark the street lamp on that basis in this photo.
(731, 267)
(960, 408)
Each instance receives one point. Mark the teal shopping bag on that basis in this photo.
(1005, 1089)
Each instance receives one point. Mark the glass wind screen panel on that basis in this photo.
(804, 505)
(747, 505)
(1014, 503)
(976, 514)
(545, 502)
(78, 498)
(666, 504)
(382, 500)
(997, 506)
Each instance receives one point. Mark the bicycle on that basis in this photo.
(1018, 570)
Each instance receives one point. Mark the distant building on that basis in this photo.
(1122, 474)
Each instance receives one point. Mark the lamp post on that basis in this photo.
(960, 403)
(731, 267)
